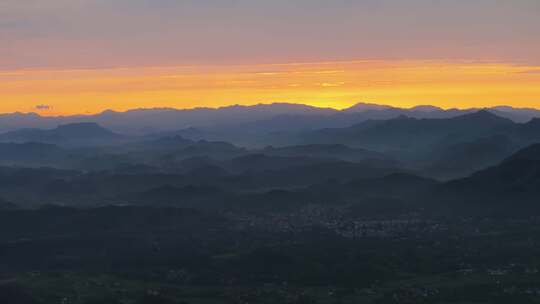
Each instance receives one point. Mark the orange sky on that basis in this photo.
(329, 84)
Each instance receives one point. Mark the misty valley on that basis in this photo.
(275, 203)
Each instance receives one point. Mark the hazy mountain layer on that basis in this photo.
(268, 118)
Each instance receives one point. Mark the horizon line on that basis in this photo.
(389, 106)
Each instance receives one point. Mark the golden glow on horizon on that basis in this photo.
(326, 84)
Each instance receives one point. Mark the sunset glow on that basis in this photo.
(325, 84)
(60, 57)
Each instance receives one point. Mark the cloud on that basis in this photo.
(66, 33)
(43, 107)
(530, 72)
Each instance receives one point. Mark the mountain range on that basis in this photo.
(452, 146)
(395, 163)
(266, 117)
(254, 183)
(447, 147)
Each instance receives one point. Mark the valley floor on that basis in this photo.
(163, 256)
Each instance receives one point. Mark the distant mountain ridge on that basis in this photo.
(272, 116)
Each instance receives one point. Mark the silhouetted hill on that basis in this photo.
(464, 158)
(426, 108)
(516, 114)
(334, 151)
(405, 134)
(77, 134)
(262, 162)
(85, 130)
(31, 154)
(514, 183)
(169, 142)
(35, 154)
(393, 185)
(531, 153)
(173, 149)
(530, 130)
(363, 107)
(519, 173)
(443, 148)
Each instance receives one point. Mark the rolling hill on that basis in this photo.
(75, 134)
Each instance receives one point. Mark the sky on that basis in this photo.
(60, 57)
